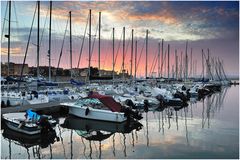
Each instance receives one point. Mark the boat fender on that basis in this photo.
(3, 104)
(8, 103)
(87, 111)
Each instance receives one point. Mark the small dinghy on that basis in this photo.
(29, 122)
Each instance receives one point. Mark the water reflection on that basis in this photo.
(35, 141)
(98, 131)
(170, 132)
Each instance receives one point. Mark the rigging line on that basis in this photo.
(80, 54)
(109, 47)
(140, 55)
(4, 19)
(15, 11)
(154, 62)
(125, 52)
(118, 49)
(208, 66)
(28, 42)
(44, 27)
(62, 45)
(94, 42)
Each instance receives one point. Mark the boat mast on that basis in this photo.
(168, 60)
(38, 47)
(203, 63)
(186, 62)
(208, 65)
(8, 36)
(89, 45)
(123, 70)
(176, 60)
(191, 65)
(99, 42)
(181, 66)
(158, 60)
(162, 60)
(135, 73)
(146, 53)
(113, 56)
(70, 26)
(131, 56)
(49, 51)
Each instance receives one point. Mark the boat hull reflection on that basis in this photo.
(76, 123)
(43, 140)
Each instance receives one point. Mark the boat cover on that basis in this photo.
(32, 115)
(108, 101)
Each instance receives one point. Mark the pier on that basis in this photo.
(44, 106)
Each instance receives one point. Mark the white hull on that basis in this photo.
(96, 114)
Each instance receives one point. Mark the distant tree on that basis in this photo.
(59, 72)
(66, 72)
(94, 71)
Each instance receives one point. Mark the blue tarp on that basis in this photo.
(32, 115)
(73, 82)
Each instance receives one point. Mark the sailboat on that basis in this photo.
(11, 98)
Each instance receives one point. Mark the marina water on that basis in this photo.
(205, 129)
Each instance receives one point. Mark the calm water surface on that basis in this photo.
(206, 129)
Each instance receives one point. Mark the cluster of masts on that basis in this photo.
(212, 66)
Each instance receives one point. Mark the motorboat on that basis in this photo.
(101, 107)
(36, 124)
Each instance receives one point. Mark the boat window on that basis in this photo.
(89, 101)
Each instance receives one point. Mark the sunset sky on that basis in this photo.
(213, 25)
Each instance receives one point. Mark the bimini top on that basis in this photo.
(108, 101)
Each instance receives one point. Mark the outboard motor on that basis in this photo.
(130, 103)
(146, 105)
(129, 113)
(183, 88)
(161, 99)
(188, 94)
(45, 125)
(180, 95)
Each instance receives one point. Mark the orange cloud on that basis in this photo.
(17, 51)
